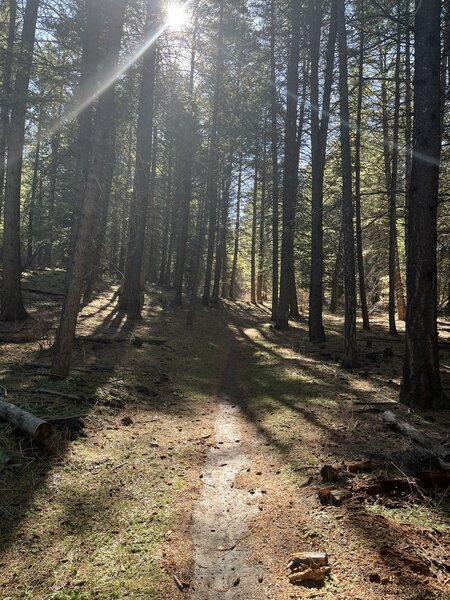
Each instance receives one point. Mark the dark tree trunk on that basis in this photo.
(274, 153)
(319, 133)
(168, 204)
(130, 298)
(187, 140)
(290, 173)
(350, 357)
(233, 290)
(421, 385)
(408, 120)
(220, 267)
(5, 106)
(359, 240)
(12, 308)
(212, 176)
(82, 237)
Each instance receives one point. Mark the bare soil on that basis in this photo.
(144, 499)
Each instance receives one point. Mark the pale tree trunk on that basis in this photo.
(421, 384)
(82, 237)
(55, 144)
(350, 357)
(260, 284)
(12, 308)
(130, 298)
(34, 189)
(253, 244)
(335, 284)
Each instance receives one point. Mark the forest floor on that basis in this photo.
(194, 459)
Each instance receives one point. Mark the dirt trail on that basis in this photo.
(223, 512)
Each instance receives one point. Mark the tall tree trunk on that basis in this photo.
(85, 226)
(55, 145)
(130, 298)
(233, 287)
(319, 132)
(421, 385)
(12, 308)
(168, 205)
(260, 284)
(253, 244)
(408, 119)
(350, 357)
(359, 240)
(290, 173)
(150, 233)
(187, 139)
(5, 106)
(335, 283)
(274, 153)
(211, 186)
(220, 267)
(34, 187)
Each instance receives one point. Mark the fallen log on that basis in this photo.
(413, 561)
(412, 432)
(38, 429)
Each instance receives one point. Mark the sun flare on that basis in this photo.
(176, 15)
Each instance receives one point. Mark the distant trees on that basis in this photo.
(262, 151)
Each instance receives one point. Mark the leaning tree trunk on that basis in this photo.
(130, 298)
(350, 357)
(290, 174)
(421, 385)
(12, 308)
(82, 237)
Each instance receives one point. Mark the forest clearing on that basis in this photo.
(224, 299)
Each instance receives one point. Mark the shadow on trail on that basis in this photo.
(320, 396)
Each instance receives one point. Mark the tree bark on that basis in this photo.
(359, 240)
(350, 356)
(34, 189)
(12, 308)
(233, 287)
(5, 106)
(290, 173)
(274, 153)
(319, 131)
(85, 226)
(130, 298)
(212, 176)
(421, 384)
(253, 243)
